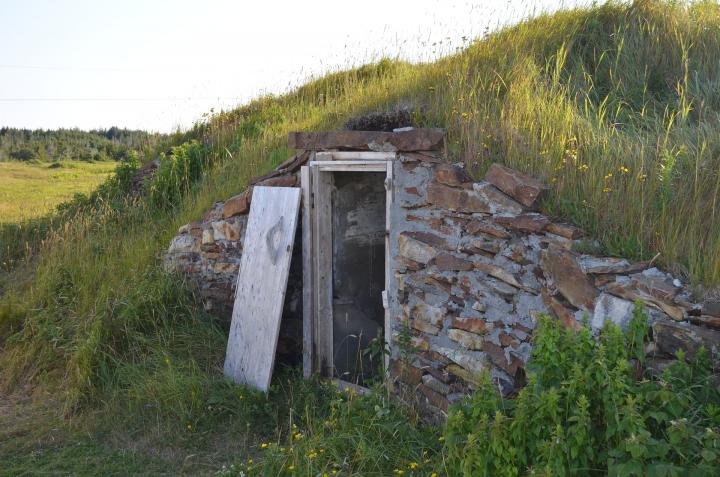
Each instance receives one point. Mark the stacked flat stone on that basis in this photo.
(473, 264)
(476, 264)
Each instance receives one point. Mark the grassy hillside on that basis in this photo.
(30, 190)
(616, 106)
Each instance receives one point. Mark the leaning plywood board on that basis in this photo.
(264, 269)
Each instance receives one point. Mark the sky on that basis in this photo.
(160, 64)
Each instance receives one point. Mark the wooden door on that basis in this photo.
(261, 285)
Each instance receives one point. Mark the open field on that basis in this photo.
(617, 106)
(31, 190)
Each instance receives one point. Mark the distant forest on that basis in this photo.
(112, 144)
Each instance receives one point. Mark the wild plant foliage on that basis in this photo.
(589, 409)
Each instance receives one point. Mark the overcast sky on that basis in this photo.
(159, 65)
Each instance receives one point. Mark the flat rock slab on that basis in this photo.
(671, 337)
(421, 139)
(525, 189)
(569, 279)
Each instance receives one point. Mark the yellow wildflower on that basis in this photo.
(413, 465)
(606, 189)
(608, 175)
(624, 170)
(264, 445)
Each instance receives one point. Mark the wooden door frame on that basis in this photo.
(316, 181)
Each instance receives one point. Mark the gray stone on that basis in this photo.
(435, 384)
(609, 307)
(184, 244)
(208, 237)
(472, 361)
(499, 202)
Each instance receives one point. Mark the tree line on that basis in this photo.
(73, 144)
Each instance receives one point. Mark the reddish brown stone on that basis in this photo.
(632, 290)
(405, 372)
(474, 325)
(238, 205)
(525, 189)
(434, 397)
(410, 247)
(565, 230)
(656, 287)
(280, 181)
(706, 320)
(565, 316)
(507, 340)
(428, 238)
(527, 223)
(294, 163)
(421, 139)
(434, 356)
(485, 227)
(497, 355)
(446, 262)
(451, 175)
(412, 190)
(424, 156)
(482, 247)
(460, 200)
(409, 264)
(571, 282)
(522, 328)
(499, 273)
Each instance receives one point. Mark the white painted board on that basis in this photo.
(261, 285)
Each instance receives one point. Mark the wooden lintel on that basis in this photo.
(421, 139)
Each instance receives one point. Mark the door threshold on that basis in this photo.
(350, 388)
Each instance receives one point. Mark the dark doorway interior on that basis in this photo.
(358, 273)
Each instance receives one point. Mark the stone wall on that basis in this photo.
(207, 253)
(475, 265)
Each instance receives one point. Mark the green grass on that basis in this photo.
(31, 190)
(616, 106)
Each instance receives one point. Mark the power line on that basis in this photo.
(86, 68)
(218, 98)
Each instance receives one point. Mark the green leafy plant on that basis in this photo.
(584, 412)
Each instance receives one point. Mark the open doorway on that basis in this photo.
(345, 256)
(358, 266)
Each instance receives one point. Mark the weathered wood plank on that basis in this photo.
(308, 274)
(261, 285)
(422, 139)
(350, 166)
(354, 156)
(389, 198)
(322, 237)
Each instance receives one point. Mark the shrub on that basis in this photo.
(584, 412)
(178, 172)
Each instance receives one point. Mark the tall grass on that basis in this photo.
(616, 106)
